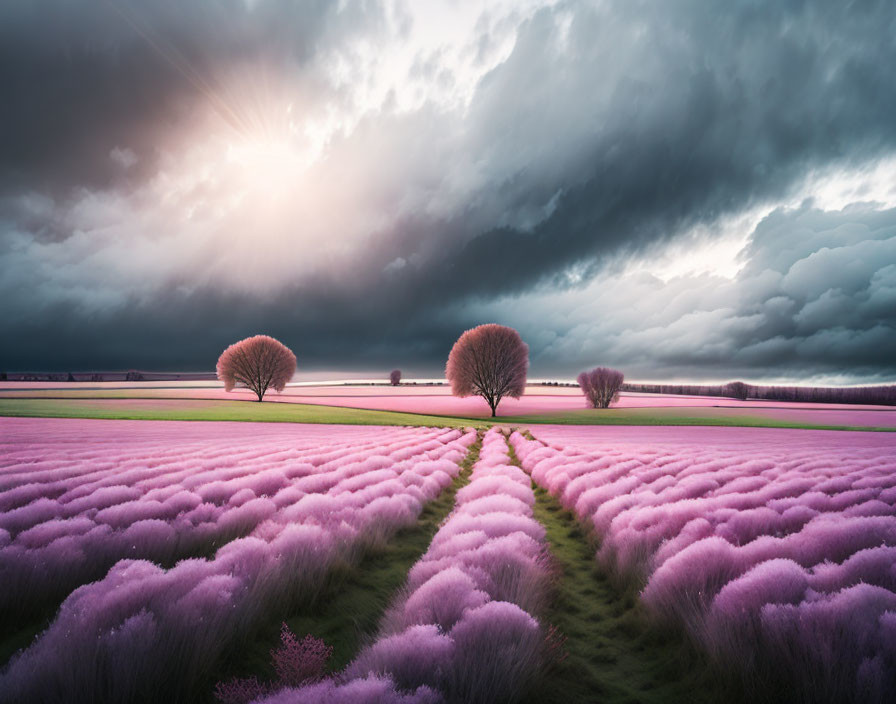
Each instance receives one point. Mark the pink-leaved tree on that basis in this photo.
(601, 386)
(489, 361)
(395, 377)
(259, 363)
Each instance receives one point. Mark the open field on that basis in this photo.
(419, 405)
(189, 410)
(387, 352)
(404, 398)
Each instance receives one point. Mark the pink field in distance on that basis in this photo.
(436, 400)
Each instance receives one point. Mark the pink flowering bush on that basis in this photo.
(248, 519)
(781, 561)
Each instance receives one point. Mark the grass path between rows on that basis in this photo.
(349, 611)
(611, 653)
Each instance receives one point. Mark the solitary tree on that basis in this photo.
(601, 386)
(259, 362)
(738, 390)
(489, 361)
(395, 377)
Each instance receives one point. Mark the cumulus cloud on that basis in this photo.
(814, 299)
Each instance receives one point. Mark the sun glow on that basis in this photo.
(267, 164)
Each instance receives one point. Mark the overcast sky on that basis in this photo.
(680, 189)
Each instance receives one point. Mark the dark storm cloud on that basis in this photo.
(610, 128)
(816, 298)
(680, 113)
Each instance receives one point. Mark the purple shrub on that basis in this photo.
(872, 566)
(297, 662)
(420, 655)
(498, 648)
(774, 582)
(827, 639)
(461, 624)
(442, 599)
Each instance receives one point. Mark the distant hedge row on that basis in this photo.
(879, 395)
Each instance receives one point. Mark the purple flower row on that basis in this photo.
(70, 512)
(152, 633)
(781, 560)
(462, 628)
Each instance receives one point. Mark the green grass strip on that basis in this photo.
(155, 408)
(241, 411)
(611, 653)
(349, 612)
(673, 416)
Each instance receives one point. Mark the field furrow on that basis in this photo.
(463, 629)
(773, 552)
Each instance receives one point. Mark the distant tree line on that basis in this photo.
(877, 395)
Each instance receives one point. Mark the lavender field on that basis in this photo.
(775, 551)
(170, 542)
(139, 558)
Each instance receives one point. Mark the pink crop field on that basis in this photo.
(462, 628)
(437, 400)
(775, 550)
(173, 540)
(151, 553)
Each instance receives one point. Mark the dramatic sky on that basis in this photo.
(681, 189)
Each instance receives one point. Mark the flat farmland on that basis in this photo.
(418, 405)
(288, 562)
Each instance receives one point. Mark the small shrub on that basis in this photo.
(299, 661)
(601, 386)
